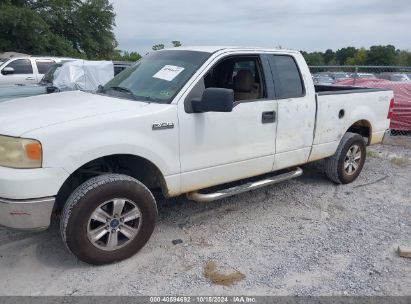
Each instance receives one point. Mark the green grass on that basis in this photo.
(400, 162)
(373, 154)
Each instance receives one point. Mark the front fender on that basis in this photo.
(70, 145)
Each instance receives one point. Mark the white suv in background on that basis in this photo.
(25, 70)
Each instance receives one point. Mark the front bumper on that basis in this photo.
(25, 184)
(31, 214)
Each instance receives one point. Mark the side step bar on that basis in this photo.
(209, 197)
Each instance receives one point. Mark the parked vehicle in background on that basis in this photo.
(180, 121)
(85, 75)
(394, 76)
(338, 75)
(363, 76)
(64, 76)
(401, 111)
(8, 92)
(399, 77)
(25, 70)
(322, 79)
(120, 66)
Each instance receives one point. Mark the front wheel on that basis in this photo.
(108, 218)
(347, 162)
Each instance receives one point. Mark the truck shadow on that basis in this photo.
(176, 212)
(52, 251)
(45, 246)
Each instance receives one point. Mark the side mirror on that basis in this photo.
(7, 71)
(214, 100)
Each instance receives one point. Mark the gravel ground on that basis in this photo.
(306, 236)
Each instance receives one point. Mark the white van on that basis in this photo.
(25, 70)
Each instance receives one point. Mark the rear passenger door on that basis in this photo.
(23, 72)
(296, 110)
(43, 65)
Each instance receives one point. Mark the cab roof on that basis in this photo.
(214, 49)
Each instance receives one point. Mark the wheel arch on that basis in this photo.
(362, 127)
(135, 166)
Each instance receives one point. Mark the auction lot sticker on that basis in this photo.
(168, 72)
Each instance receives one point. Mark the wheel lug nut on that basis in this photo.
(113, 230)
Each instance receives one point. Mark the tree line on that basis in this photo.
(84, 29)
(375, 55)
(76, 28)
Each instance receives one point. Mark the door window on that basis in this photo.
(21, 66)
(242, 74)
(44, 65)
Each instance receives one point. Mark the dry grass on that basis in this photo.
(211, 273)
(400, 162)
(401, 141)
(373, 154)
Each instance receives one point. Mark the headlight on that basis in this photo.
(20, 153)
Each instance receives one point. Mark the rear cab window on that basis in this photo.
(287, 77)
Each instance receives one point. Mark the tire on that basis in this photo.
(130, 211)
(335, 166)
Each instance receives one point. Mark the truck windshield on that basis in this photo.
(158, 77)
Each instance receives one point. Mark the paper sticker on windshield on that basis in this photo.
(168, 72)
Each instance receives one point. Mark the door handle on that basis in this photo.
(268, 117)
(30, 78)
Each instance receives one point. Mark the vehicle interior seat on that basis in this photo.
(244, 86)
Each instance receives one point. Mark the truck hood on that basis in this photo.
(22, 115)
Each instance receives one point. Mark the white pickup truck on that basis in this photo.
(183, 121)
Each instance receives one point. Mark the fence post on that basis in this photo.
(355, 74)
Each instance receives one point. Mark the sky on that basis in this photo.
(310, 25)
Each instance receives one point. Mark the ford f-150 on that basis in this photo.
(208, 122)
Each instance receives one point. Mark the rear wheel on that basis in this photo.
(347, 162)
(108, 218)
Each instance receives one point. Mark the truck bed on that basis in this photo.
(334, 89)
(339, 107)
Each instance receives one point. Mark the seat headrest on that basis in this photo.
(243, 81)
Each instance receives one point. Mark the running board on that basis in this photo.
(209, 197)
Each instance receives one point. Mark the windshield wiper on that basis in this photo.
(120, 89)
(128, 92)
(146, 98)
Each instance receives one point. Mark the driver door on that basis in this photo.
(218, 147)
(23, 72)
